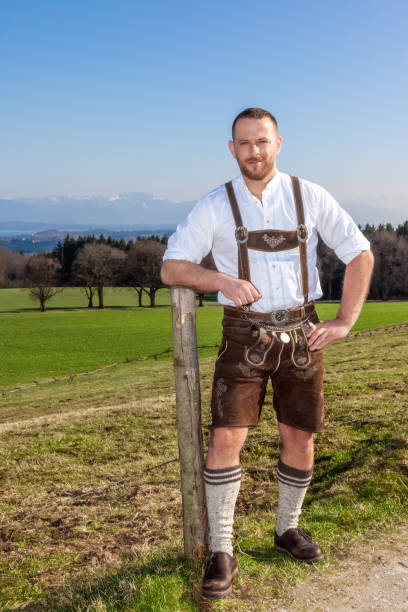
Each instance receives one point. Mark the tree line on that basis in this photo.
(390, 275)
(93, 263)
(90, 263)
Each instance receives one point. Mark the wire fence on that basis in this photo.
(72, 377)
(74, 496)
(168, 350)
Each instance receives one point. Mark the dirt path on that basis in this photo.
(372, 577)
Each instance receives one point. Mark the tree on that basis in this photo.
(143, 266)
(41, 273)
(3, 268)
(95, 266)
(89, 291)
(331, 271)
(369, 229)
(12, 266)
(66, 252)
(402, 229)
(390, 270)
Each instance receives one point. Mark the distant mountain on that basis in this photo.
(121, 210)
(125, 212)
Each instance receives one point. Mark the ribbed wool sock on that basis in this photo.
(293, 485)
(221, 492)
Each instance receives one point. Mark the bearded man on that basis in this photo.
(262, 229)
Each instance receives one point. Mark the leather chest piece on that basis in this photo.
(271, 240)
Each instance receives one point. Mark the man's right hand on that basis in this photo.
(188, 274)
(241, 292)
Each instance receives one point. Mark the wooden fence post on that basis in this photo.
(188, 409)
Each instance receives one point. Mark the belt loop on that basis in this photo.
(302, 312)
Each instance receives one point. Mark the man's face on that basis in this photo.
(255, 147)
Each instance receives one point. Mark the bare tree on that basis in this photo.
(144, 262)
(12, 266)
(402, 275)
(89, 291)
(41, 273)
(4, 282)
(331, 272)
(390, 270)
(95, 266)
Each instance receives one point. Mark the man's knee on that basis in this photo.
(227, 438)
(296, 439)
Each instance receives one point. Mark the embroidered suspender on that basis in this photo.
(271, 240)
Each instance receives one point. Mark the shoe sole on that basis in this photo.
(286, 552)
(220, 594)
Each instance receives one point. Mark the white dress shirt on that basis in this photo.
(210, 227)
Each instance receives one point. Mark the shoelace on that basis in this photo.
(304, 534)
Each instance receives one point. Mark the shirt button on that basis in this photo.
(273, 266)
(267, 220)
(277, 288)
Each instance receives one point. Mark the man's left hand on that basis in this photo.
(326, 332)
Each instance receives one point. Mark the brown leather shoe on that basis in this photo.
(299, 545)
(220, 569)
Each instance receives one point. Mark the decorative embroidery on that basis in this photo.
(255, 358)
(220, 389)
(246, 370)
(305, 374)
(273, 241)
(302, 360)
(300, 355)
(222, 350)
(256, 354)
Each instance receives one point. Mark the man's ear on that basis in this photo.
(232, 148)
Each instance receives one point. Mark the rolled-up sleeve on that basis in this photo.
(338, 230)
(193, 238)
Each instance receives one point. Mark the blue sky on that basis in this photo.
(104, 97)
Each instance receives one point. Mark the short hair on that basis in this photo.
(253, 113)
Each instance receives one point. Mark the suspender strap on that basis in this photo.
(302, 236)
(241, 235)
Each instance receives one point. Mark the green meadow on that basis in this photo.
(90, 507)
(69, 338)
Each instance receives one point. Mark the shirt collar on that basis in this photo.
(269, 189)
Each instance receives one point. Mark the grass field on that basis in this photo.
(84, 526)
(36, 346)
(73, 297)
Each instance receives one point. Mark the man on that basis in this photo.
(262, 231)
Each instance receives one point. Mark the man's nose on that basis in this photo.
(254, 149)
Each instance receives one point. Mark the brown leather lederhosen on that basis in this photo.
(258, 345)
(271, 241)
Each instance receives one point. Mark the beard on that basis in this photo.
(261, 172)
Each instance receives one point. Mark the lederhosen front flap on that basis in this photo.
(271, 240)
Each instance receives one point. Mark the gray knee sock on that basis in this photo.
(221, 492)
(293, 484)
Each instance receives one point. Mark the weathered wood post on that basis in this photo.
(188, 409)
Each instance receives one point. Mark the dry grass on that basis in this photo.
(89, 528)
